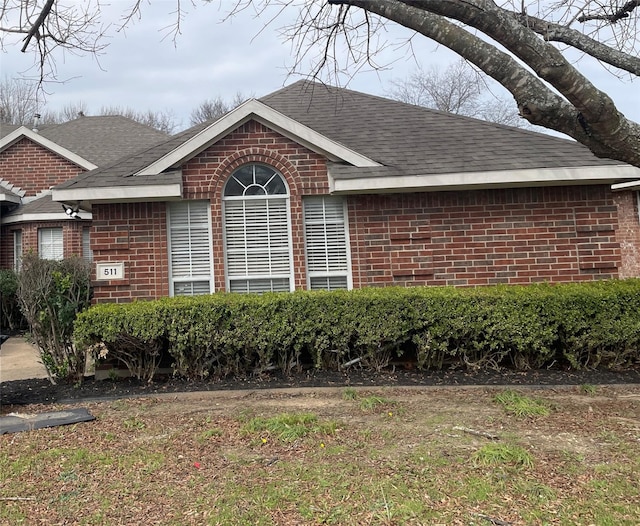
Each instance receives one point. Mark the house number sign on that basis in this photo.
(108, 271)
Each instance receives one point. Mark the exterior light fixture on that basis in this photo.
(72, 213)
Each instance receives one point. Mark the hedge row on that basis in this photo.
(578, 325)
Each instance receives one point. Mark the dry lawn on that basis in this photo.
(332, 456)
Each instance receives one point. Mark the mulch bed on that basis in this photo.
(41, 391)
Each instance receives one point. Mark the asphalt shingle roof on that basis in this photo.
(118, 173)
(405, 139)
(101, 139)
(6, 129)
(42, 205)
(417, 141)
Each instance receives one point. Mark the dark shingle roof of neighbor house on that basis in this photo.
(6, 129)
(117, 174)
(405, 139)
(99, 139)
(41, 205)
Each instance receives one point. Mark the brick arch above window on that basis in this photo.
(254, 156)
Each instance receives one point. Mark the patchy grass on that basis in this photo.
(367, 403)
(498, 454)
(288, 427)
(522, 406)
(588, 389)
(318, 458)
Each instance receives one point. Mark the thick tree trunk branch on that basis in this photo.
(557, 33)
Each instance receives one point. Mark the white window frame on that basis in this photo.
(327, 272)
(249, 276)
(17, 250)
(51, 243)
(190, 277)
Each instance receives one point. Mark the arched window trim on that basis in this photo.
(265, 187)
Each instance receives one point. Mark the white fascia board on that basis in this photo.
(254, 109)
(8, 198)
(50, 216)
(118, 193)
(630, 185)
(24, 132)
(476, 180)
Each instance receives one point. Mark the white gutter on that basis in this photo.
(471, 180)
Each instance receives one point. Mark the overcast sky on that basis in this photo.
(143, 71)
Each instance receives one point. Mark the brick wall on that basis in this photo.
(465, 238)
(135, 234)
(628, 233)
(485, 237)
(33, 168)
(71, 235)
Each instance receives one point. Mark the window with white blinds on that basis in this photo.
(190, 259)
(87, 253)
(327, 246)
(50, 243)
(257, 231)
(17, 250)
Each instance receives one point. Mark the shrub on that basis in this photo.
(51, 293)
(10, 315)
(581, 325)
(133, 334)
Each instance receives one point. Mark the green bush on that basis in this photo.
(51, 293)
(579, 325)
(10, 315)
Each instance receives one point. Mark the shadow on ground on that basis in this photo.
(41, 391)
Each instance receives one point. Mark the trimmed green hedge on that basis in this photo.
(577, 325)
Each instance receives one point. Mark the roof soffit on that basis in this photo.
(25, 133)
(256, 110)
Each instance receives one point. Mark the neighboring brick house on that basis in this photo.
(317, 187)
(32, 161)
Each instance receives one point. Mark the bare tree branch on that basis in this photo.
(35, 29)
(615, 16)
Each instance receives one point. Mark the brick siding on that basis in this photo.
(465, 238)
(485, 237)
(133, 233)
(628, 233)
(33, 168)
(71, 235)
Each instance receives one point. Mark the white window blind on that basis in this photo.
(190, 257)
(87, 253)
(50, 243)
(17, 249)
(327, 249)
(257, 244)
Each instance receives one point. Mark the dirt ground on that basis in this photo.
(187, 458)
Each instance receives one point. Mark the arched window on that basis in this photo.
(257, 230)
